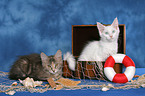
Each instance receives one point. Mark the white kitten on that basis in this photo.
(99, 50)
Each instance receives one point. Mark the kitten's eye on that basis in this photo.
(106, 33)
(49, 65)
(113, 31)
(56, 65)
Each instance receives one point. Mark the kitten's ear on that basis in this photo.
(115, 23)
(44, 58)
(101, 27)
(58, 54)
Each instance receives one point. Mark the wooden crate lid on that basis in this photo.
(82, 34)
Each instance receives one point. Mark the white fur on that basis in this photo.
(100, 50)
(71, 60)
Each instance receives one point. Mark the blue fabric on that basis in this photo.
(89, 92)
(131, 92)
(33, 26)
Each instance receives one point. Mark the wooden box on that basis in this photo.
(81, 35)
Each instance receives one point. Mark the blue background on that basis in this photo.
(34, 26)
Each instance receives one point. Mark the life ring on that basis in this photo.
(119, 77)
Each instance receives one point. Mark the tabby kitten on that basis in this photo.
(38, 67)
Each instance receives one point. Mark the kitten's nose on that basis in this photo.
(111, 36)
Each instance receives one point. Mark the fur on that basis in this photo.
(101, 50)
(108, 44)
(71, 60)
(37, 66)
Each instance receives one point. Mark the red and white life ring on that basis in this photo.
(119, 77)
